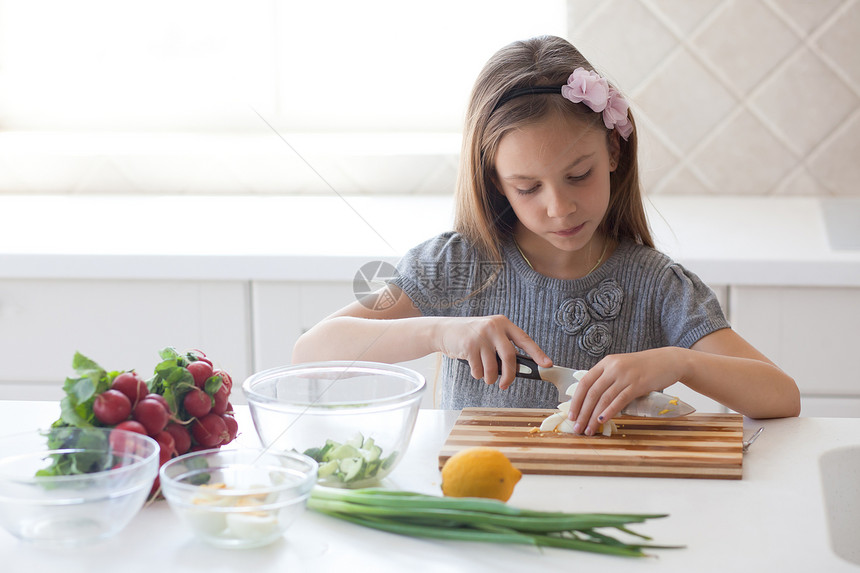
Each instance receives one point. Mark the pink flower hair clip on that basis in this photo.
(588, 87)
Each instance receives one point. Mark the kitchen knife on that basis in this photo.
(652, 405)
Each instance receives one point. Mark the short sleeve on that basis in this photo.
(688, 308)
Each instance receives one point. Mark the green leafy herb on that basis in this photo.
(169, 353)
(85, 450)
(198, 464)
(172, 380)
(213, 384)
(76, 408)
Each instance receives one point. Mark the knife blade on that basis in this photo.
(651, 405)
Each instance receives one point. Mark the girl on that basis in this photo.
(551, 256)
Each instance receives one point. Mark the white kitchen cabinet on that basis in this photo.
(120, 324)
(283, 310)
(812, 334)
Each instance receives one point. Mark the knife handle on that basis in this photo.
(526, 367)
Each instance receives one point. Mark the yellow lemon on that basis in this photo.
(479, 472)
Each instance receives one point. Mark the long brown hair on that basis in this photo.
(482, 213)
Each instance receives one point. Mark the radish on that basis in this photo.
(120, 442)
(200, 447)
(156, 487)
(221, 399)
(111, 407)
(232, 427)
(152, 414)
(181, 437)
(210, 430)
(158, 398)
(167, 446)
(131, 426)
(198, 355)
(201, 371)
(130, 384)
(225, 378)
(197, 403)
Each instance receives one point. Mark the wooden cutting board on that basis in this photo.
(695, 446)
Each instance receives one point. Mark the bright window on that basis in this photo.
(206, 65)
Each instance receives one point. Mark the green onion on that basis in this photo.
(478, 519)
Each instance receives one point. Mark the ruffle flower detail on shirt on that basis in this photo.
(596, 339)
(588, 317)
(604, 300)
(572, 316)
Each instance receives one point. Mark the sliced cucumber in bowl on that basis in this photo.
(356, 462)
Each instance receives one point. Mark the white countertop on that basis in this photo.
(771, 520)
(725, 240)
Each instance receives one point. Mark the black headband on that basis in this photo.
(532, 90)
(588, 87)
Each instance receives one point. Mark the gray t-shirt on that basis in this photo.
(637, 300)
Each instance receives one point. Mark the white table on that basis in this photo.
(771, 520)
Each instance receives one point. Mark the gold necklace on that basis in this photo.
(597, 264)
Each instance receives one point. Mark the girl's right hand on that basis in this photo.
(480, 339)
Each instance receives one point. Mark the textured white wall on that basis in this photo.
(758, 97)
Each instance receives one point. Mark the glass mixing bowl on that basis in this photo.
(354, 418)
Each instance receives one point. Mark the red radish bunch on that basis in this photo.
(185, 406)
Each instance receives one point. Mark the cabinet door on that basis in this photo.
(811, 333)
(120, 324)
(285, 310)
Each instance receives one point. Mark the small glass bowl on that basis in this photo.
(110, 474)
(238, 498)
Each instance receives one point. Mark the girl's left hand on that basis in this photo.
(616, 380)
